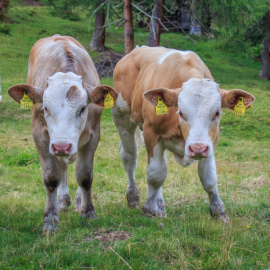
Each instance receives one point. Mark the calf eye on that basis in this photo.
(181, 115)
(217, 114)
(46, 111)
(82, 111)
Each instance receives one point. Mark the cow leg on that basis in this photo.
(208, 177)
(53, 173)
(84, 176)
(63, 198)
(156, 175)
(128, 153)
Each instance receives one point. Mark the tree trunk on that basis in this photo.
(98, 39)
(4, 6)
(265, 56)
(155, 26)
(128, 26)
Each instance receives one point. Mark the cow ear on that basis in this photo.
(169, 96)
(17, 92)
(230, 98)
(97, 95)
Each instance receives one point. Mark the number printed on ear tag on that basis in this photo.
(239, 108)
(108, 102)
(26, 102)
(161, 108)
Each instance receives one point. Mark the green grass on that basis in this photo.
(188, 238)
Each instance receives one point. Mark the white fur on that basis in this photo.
(199, 100)
(64, 123)
(167, 54)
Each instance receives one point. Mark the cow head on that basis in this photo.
(199, 104)
(65, 101)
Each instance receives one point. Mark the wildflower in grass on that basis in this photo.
(248, 226)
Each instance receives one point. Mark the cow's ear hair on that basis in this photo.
(169, 96)
(230, 98)
(97, 94)
(17, 92)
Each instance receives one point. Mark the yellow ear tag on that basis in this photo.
(108, 102)
(161, 108)
(239, 108)
(26, 102)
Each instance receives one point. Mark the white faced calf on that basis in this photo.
(199, 104)
(68, 100)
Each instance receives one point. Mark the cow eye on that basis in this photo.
(46, 111)
(82, 110)
(217, 114)
(181, 115)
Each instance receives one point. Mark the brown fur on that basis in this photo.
(73, 94)
(139, 71)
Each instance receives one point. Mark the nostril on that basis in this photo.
(54, 149)
(191, 151)
(205, 151)
(68, 148)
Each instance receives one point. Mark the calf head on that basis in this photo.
(199, 103)
(65, 101)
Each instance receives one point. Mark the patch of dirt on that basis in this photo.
(254, 183)
(106, 62)
(109, 236)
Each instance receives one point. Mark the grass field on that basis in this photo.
(121, 238)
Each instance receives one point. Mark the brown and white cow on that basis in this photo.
(64, 86)
(190, 130)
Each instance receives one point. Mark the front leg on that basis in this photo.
(84, 177)
(156, 175)
(208, 177)
(52, 176)
(63, 198)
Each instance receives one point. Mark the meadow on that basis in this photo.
(122, 238)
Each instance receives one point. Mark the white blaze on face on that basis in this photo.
(199, 107)
(65, 110)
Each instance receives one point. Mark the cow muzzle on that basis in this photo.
(198, 151)
(61, 149)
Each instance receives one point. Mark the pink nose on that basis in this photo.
(198, 150)
(61, 149)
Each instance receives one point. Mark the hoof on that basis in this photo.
(222, 217)
(63, 203)
(133, 198)
(218, 212)
(89, 214)
(155, 210)
(50, 224)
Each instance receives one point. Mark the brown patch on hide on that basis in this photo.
(185, 129)
(213, 131)
(73, 94)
